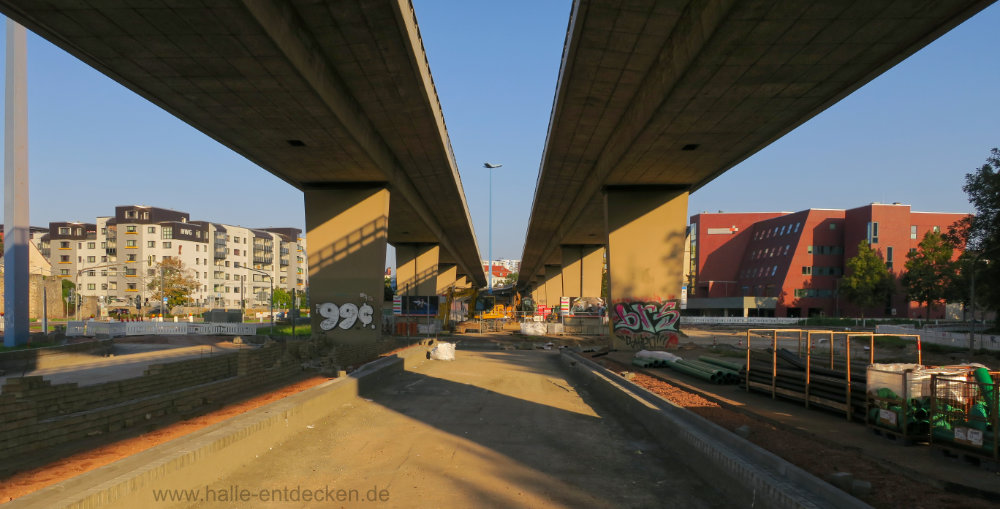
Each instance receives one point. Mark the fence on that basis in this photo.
(736, 320)
(953, 339)
(120, 329)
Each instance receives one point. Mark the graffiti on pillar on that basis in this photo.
(647, 323)
(347, 315)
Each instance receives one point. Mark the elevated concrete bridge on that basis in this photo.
(657, 98)
(335, 98)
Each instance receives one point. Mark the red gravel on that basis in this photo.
(889, 489)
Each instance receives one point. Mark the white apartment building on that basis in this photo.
(511, 265)
(116, 258)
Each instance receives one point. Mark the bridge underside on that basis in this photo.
(335, 98)
(662, 97)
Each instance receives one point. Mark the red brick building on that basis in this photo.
(791, 263)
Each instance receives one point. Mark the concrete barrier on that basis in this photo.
(733, 464)
(216, 450)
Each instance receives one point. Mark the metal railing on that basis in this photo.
(954, 339)
(122, 329)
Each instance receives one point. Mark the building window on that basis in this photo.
(130, 228)
(130, 258)
(130, 287)
(131, 243)
(150, 243)
(91, 286)
(888, 257)
(129, 271)
(104, 286)
(833, 226)
(91, 273)
(113, 285)
(167, 245)
(63, 258)
(913, 232)
(937, 229)
(64, 245)
(91, 259)
(167, 232)
(63, 272)
(63, 230)
(104, 259)
(91, 245)
(104, 245)
(873, 233)
(807, 270)
(151, 229)
(782, 230)
(809, 249)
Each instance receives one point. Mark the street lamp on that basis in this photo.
(491, 166)
(270, 280)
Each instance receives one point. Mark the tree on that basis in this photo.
(981, 232)
(508, 280)
(868, 282)
(930, 270)
(387, 291)
(178, 282)
(282, 298)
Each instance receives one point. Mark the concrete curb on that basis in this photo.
(737, 466)
(188, 462)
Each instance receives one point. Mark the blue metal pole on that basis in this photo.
(491, 232)
(16, 225)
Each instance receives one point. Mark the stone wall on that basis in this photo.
(36, 415)
(54, 294)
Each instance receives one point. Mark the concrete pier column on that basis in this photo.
(553, 285)
(346, 232)
(417, 269)
(646, 231)
(582, 267)
(447, 277)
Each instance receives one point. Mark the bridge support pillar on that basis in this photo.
(581, 270)
(346, 230)
(553, 285)
(417, 269)
(447, 277)
(646, 233)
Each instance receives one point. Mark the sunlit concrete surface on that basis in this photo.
(490, 429)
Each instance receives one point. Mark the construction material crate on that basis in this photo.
(964, 413)
(898, 398)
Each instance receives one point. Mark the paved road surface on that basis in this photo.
(491, 429)
(130, 360)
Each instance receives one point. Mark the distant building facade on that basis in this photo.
(790, 264)
(116, 257)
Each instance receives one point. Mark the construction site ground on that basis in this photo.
(820, 442)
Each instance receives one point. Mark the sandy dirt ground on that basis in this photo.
(889, 489)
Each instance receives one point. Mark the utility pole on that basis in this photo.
(163, 293)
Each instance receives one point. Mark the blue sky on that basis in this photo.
(908, 136)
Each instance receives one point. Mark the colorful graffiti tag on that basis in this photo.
(643, 324)
(346, 315)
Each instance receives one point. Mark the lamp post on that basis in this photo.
(490, 167)
(270, 280)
